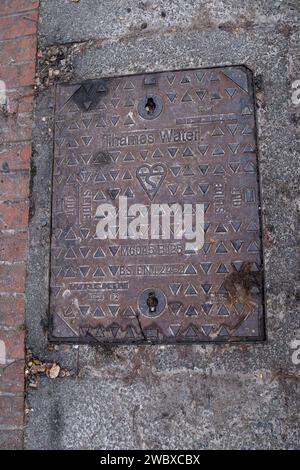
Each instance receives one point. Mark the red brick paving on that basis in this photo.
(11, 439)
(18, 42)
(10, 304)
(14, 215)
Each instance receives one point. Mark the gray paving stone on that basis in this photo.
(190, 397)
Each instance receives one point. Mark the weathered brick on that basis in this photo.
(9, 74)
(11, 440)
(18, 75)
(16, 26)
(18, 50)
(15, 128)
(18, 23)
(14, 215)
(12, 377)
(25, 153)
(14, 186)
(14, 343)
(16, 6)
(13, 247)
(12, 278)
(11, 311)
(11, 411)
(26, 74)
(20, 102)
(15, 157)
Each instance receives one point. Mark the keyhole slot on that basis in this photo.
(150, 106)
(152, 302)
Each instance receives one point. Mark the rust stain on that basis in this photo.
(243, 24)
(239, 285)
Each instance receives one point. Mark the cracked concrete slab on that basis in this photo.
(190, 397)
(172, 409)
(117, 19)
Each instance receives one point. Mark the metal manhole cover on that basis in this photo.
(184, 137)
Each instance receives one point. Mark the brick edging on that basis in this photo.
(18, 44)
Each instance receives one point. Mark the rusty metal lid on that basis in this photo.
(172, 137)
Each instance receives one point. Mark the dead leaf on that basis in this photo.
(54, 371)
(38, 369)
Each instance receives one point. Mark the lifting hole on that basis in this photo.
(152, 302)
(150, 106)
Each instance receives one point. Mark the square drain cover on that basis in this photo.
(184, 137)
